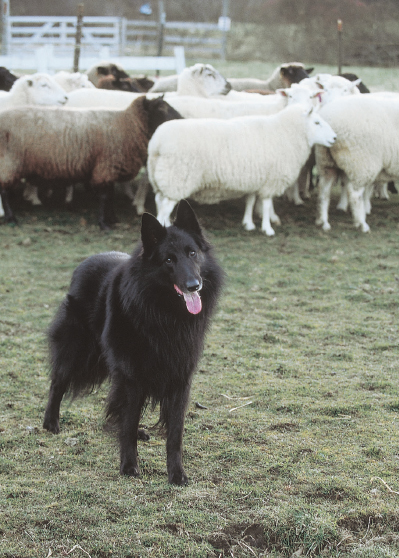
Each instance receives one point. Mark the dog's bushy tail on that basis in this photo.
(74, 353)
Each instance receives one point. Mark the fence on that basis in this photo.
(44, 59)
(121, 36)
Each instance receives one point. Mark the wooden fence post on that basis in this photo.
(339, 28)
(161, 26)
(5, 12)
(78, 38)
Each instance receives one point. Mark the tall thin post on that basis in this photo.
(339, 29)
(225, 26)
(161, 26)
(78, 38)
(5, 12)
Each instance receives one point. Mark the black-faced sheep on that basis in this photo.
(6, 79)
(72, 145)
(105, 69)
(283, 76)
(119, 84)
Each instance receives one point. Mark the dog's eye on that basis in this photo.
(193, 253)
(168, 261)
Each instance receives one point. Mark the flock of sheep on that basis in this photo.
(199, 136)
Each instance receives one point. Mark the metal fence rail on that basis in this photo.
(122, 36)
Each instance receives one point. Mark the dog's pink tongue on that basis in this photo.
(192, 300)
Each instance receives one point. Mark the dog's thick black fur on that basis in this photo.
(139, 320)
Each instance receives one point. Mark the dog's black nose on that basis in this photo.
(193, 285)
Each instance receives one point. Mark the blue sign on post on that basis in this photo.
(146, 9)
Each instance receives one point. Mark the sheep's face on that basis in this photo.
(43, 90)
(293, 73)
(207, 79)
(318, 130)
(159, 111)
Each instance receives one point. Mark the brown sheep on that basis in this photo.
(98, 147)
(119, 84)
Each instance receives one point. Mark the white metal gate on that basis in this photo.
(27, 32)
(120, 35)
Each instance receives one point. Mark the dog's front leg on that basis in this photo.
(174, 418)
(125, 404)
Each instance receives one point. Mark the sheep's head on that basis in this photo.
(203, 80)
(159, 111)
(40, 89)
(293, 72)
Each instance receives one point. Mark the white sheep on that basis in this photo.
(70, 81)
(366, 152)
(197, 107)
(212, 160)
(35, 89)
(200, 77)
(283, 76)
(200, 80)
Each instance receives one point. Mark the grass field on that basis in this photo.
(296, 453)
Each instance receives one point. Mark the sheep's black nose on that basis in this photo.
(193, 285)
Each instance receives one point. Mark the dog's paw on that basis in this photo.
(178, 477)
(142, 435)
(130, 470)
(52, 425)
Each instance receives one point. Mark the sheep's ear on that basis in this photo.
(282, 92)
(152, 232)
(186, 218)
(309, 70)
(308, 111)
(102, 71)
(357, 82)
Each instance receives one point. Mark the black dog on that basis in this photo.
(139, 320)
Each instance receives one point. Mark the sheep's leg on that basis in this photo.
(293, 194)
(128, 190)
(381, 190)
(267, 206)
(31, 194)
(164, 209)
(141, 193)
(367, 195)
(356, 201)
(325, 183)
(1, 208)
(247, 220)
(9, 216)
(274, 218)
(343, 200)
(304, 180)
(107, 216)
(69, 194)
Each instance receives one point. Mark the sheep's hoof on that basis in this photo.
(365, 228)
(12, 222)
(105, 227)
(269, 232)
(326, 227)
(249, 226)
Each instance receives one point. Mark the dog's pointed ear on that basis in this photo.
(152, 232)
(186, 218)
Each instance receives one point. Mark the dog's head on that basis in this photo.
(177, 254)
